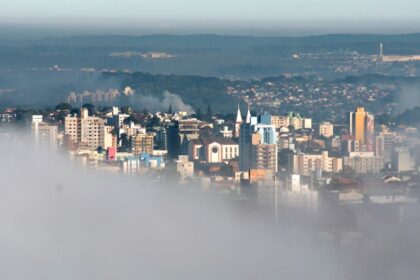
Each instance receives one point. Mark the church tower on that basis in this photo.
(248, 116)
(238, 123)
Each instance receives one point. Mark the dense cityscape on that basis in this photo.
(211, 139)
(282, 160)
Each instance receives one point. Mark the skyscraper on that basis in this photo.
(384, 145)
(245, 144)
(142, 143)
(257, 146)
(362, 127)
(370, 132)
(88, 131)
(359, 125)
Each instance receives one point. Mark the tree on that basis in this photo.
(155, 121)
(63, 106)
(209, 111)
(125, 110)
(198, 113)
(90, 107)
(74, 111)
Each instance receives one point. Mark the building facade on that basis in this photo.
(89, 132)
(305, 164)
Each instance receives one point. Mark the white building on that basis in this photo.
(401, 160)
(326, 129)
(44, 135)
(226, 132)
(298, 195)
(131, 166)
(292, 195)
(213, 150)
(184, 168)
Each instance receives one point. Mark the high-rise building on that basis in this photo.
(370, 132)
(268, 133)
(295, 120)
(245, 143)
(161, 138)
(362, 127)
(401, 160)
(280, 121)
(258, 147)
(264, 156)
(304, 164)
(359, 125)
(142, 143)
(180, 134)
(384, 145)
(88, 131)
(364, 162)
(44, 134)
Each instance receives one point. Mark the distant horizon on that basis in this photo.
(41, 28)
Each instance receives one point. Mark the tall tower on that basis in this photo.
(370, 132)
(362, 127)
(381, 50)
(359, 125)
(238, 123)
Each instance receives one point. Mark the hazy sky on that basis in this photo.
(24, 19)
(212, 9)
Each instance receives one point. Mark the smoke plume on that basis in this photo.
(153, 104)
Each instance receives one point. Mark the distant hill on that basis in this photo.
(205, 55)
(196, 91)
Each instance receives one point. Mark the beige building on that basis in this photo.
(292, 119)
(280, 121)
(142, 143)
(364, 162)
(263, 156)
(305, 164)
(88, 131)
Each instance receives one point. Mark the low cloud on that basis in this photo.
(62, 222)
